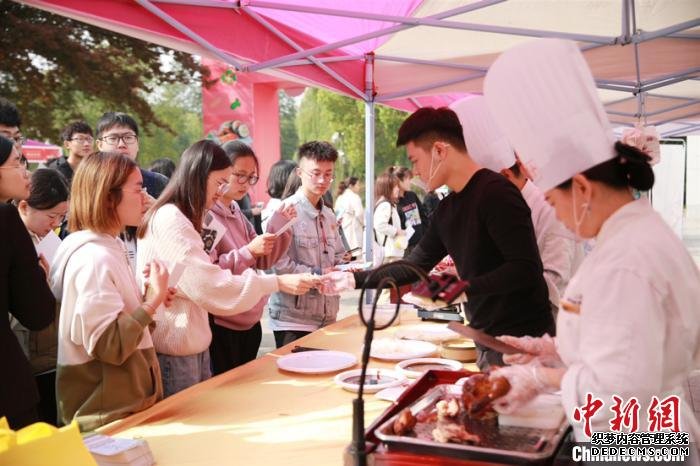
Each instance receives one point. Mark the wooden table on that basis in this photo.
(258, 415)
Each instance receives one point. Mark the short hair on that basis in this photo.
(49, 188)
(96, 193)
(111, 119)
(320, 151)
(188, 187)
(9, 115)
(428, 125)
(164, 166)
(77, 127)
(277, 179)
(384, 185)
(235, 149)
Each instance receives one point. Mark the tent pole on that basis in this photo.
(369, 162)
(267, 25)
(196, 38)
(276, 62)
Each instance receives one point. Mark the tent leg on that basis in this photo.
(369, 179)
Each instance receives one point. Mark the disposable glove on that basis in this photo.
(537, 350)
(524, 386)
(334, 283)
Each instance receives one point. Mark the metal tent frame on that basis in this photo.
(317, 56)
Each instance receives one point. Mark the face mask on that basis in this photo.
(420, 184)
(578, 221)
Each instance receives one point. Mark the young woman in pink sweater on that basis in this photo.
(236, 339)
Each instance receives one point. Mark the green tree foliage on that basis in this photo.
(289, 138)
(57, 70)
(322, 114)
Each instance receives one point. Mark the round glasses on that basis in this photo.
(319, 176)
(243, 179)
(84, 140)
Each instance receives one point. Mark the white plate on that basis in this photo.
(404, 367)
(426, 332)
(379, 380)
(354, 266)
(316, 362)
(392, 393)
(392, 349)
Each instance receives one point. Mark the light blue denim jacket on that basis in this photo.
(316, 245)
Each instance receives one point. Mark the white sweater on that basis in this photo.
(183, 328)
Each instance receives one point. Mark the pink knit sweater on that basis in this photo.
(232, 253)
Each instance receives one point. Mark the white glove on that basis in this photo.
(524, 386)
(333, 283)
(537, 350)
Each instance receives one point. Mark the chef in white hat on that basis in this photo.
(628, 323)
(489, 147)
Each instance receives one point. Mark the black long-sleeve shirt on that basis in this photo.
(25, 294)
(487, 229)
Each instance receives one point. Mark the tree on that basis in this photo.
(57, 70)
(322, 113)
(289, 138)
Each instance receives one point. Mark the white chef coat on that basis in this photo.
(637, 332)
(559, 252)
(348, 208)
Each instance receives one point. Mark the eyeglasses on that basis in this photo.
(243, 179)
(18, 166)
(88, 140)
(317, 176)
(19, 140)
(136, 190)
(113, 139)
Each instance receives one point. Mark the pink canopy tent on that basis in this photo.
(645, 56)
(40, 152)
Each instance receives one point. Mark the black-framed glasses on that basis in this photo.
(243, 179)
(113, 139)
(18, 139)
(86, 140)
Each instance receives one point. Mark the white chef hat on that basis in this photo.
(542, 95)
(486, 143)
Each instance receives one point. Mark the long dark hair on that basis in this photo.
(188, 187)
(630, 168)
(6, 147)
(277, 179)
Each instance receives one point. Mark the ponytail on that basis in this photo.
(630, 168)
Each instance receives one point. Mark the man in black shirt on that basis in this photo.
(78, 141)
(484, 224)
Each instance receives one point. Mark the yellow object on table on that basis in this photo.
(40, 444)
(257, 414)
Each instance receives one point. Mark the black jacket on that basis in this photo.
(25, 294)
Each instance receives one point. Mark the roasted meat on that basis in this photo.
(479, 391)
(448, 431)
(405, 422)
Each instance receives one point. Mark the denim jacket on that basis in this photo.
(316, 245)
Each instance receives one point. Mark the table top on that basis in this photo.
(257, 414)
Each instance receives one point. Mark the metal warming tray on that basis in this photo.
(508, 444)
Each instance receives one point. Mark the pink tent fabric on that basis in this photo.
(40, 152)
(412, 53)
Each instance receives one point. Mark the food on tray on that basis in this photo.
(405, 422)
(479, 391)
(447, 408)
(450, 431)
